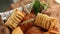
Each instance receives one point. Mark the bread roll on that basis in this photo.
(17, 31)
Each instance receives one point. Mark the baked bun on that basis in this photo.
(16, 17)
(4, 30)
(17, 31)
(45, 21)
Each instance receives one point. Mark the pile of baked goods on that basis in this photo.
(31, 22)
(21, 23)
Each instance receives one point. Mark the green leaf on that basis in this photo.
(45, 6)
(36, 7)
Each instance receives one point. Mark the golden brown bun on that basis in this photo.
(17, 31)
(15, 18)
(4, 30)
(34, 30)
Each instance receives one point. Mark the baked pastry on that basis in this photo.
(16, 17)
(27, 22)
(4, 30)
(34, 30)
(25, 25)
(45, 21)
(17, 30)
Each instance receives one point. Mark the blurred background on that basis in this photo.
(6, 5)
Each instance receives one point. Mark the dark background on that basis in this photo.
(4, 4)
